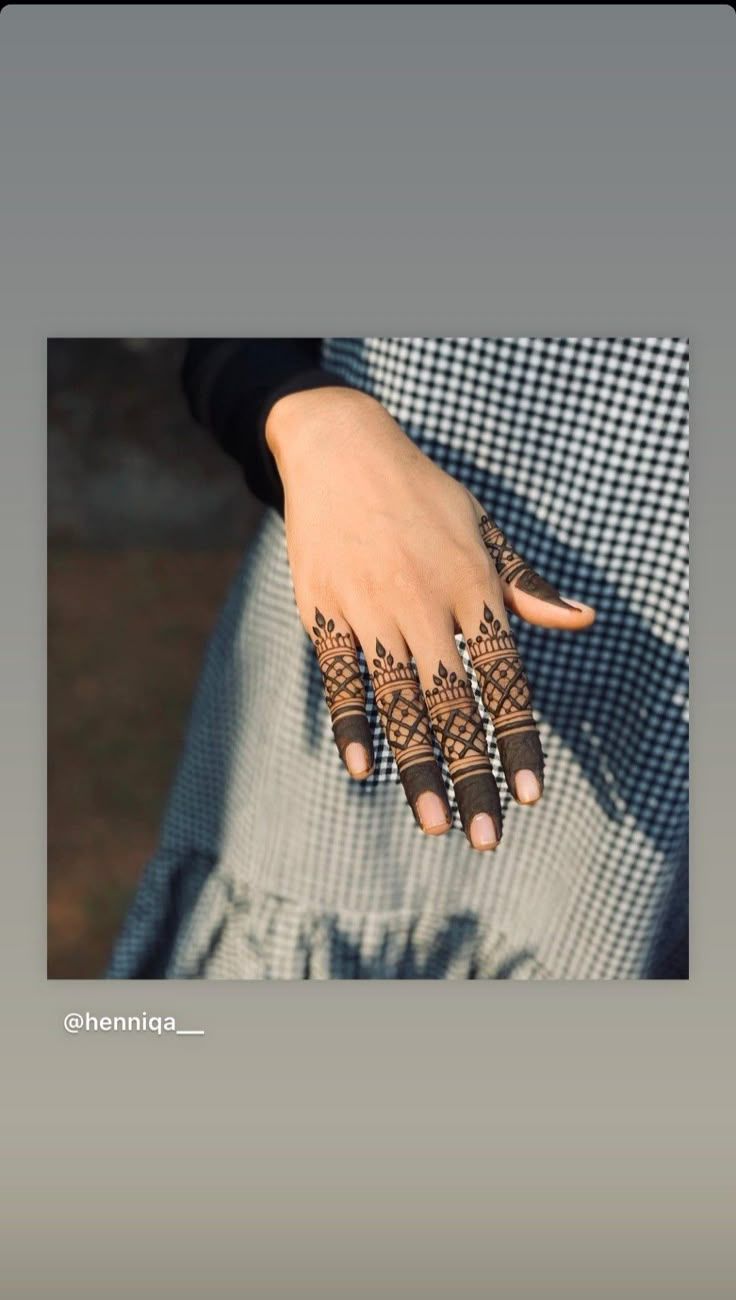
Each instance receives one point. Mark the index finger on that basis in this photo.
(507, 697)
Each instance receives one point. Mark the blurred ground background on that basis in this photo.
(148, 520)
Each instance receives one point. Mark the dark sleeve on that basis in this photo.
(230, 386)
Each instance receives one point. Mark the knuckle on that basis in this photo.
(472, 569)
(474, 588)
(410, 589)
(313, 604)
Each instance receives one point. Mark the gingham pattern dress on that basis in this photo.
(273, 864)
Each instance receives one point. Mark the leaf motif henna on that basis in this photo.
(507, 696)
(513, 569)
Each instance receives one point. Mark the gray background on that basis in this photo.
(361, 170)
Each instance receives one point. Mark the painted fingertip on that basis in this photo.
(527, 787)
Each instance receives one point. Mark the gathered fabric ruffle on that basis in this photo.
(213, 931)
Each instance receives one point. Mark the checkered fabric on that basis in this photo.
(272, 863)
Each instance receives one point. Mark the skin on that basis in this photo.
(391, 554)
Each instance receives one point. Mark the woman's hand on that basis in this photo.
(390, 553)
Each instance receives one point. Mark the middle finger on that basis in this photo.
(506, 694)
(405, 721)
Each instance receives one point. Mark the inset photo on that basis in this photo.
(368, 658)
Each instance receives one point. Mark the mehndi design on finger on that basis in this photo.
(407, 725)
(514, 570)
(507, 696)
(343, 683)
(461, 735)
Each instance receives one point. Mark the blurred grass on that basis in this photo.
(126, 633)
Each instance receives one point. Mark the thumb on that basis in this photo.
(525, 591)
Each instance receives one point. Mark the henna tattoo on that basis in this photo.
(343, 684)
(507, 697)
(461, 735)
(407, 725)
(514, 570)
(457, 723)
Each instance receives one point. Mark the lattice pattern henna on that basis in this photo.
(461, 735)
(507, 697)
(408, 729)
(338, 660)
(457, 724)
(504, 684)
(345, 692)
(513, 569)
(401, 709)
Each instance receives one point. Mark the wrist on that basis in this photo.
(325, 413)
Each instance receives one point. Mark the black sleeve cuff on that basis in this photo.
(230, 386)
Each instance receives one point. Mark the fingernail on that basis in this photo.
(527, 786)
(432, 813)
(483, 832)
(357, 760)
